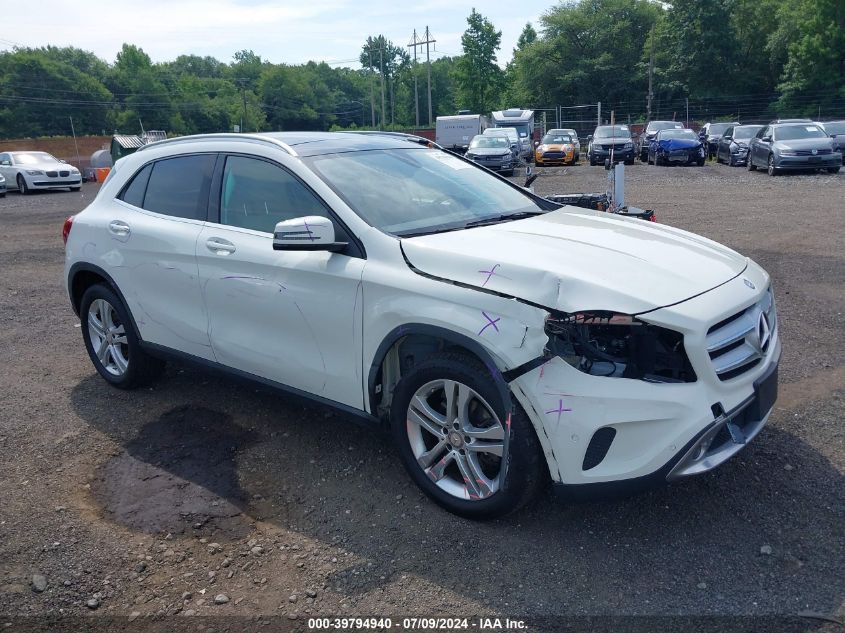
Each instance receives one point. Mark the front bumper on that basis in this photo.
(496, 164)
(619, 155)
(58, 182)
(554, 158)
(808, 162)
(681, 156)
(660, 431)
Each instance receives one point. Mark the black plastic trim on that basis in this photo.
(167, 353)
(438, 332)
(79, 267)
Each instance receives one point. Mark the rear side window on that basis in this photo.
(174, 186)
(134, 193)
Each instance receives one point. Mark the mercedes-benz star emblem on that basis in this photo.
(759, 339)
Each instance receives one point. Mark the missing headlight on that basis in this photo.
(614, 345)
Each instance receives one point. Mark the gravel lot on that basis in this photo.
(201, 491)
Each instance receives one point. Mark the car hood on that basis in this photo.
(804, 143)
(47, 165)
(489, 151)
(573, 259)
(678, 143)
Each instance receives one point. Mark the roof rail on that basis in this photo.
(413, 138)
(222, 136)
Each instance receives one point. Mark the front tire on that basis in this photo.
(111, 340)
(22, 186)
(771, 166)
(459, 444)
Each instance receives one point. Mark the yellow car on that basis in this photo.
(556, 148)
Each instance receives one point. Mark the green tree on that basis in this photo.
(812, 78)
(478, 77)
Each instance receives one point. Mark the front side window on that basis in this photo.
(179, 186)
(256, 194)
(413, 191)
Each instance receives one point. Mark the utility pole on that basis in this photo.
(686, 103)
(416, 92)
(381, 67)
(599, 116)
(243, 121)
(650, 76)
(372, 96)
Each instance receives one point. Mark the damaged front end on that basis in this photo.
(612, 345)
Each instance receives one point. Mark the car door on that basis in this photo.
(152, 229)
(760, 148)
(7, 170)
(723, 151)
(292, 317)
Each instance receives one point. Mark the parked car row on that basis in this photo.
(32, 171)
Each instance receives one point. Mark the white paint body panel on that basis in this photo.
(316, 320)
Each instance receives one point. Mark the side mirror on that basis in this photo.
(766, 139)
(6, 163)
(309, 233)
(590, 137)
(536, 143)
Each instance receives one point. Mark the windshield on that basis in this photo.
(717, 129)
(556, 138)
(490, 141)
(745, 132)
(662, 125)
(32, 158)
(795, 132)
(416, 191)
(612, 131)
(687, 134)
(837, 127)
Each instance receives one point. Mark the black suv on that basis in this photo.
(611, 138)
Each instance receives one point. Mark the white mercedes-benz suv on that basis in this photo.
(503, 339)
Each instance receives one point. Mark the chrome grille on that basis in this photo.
(737, 344)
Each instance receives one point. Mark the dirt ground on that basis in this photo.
(200, 490)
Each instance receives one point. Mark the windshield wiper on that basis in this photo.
(503, 218)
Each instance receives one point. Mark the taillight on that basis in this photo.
(66, 228)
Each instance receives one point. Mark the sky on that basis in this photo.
(280, 32)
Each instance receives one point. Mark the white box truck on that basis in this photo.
(455, 132)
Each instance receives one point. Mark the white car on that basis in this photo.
(32, 171)
(503, 339)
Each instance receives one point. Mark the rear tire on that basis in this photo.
(111, 340)
(442, 445)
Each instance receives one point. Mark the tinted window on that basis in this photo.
(179, 186)
(257, 195)
(134, 192)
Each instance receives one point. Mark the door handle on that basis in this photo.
(219, 246)
(121, 229)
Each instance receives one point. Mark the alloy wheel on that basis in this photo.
(771, 169)
(456, 438)
(108, 337)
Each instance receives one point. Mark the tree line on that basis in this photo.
(749, 58)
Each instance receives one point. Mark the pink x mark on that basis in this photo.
(489, 274)
(490, 322)
(560, 409)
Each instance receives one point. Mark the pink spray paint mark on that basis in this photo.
(560, 409)
(489, 274)
(490, 322)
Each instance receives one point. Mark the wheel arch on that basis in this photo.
(82, 276)
(427, 339)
